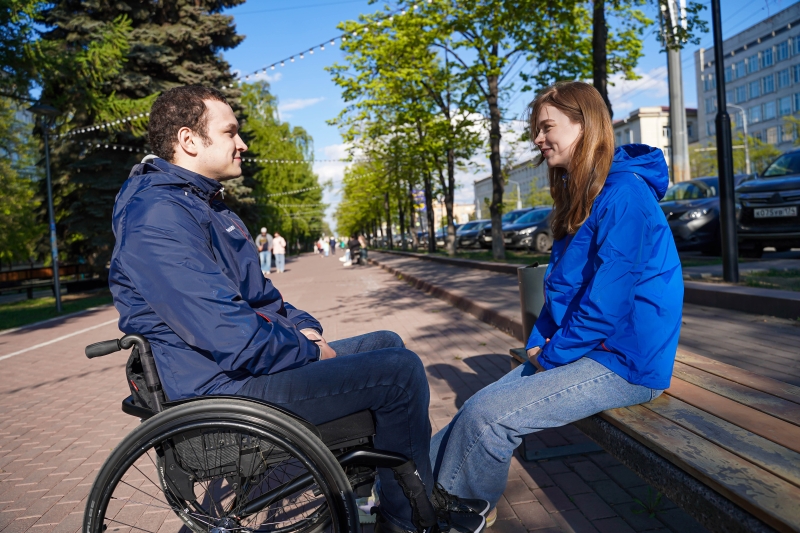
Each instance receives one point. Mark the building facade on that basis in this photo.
(525, 174)
(650, 126)
(762, 77)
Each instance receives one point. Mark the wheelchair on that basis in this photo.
(224, 464)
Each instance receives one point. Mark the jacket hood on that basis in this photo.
(646, 162)
(154, 171)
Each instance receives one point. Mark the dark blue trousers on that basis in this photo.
(374, 372)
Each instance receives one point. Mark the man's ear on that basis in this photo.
(186, 141)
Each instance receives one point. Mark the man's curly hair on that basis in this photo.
(177, 108)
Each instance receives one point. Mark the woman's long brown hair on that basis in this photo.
(575, 188)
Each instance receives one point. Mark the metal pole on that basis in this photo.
(519, 194)
(727, 208)
(746, 147)
(53, 244)
(679, 141)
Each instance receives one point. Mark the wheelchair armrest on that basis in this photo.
(130, 408)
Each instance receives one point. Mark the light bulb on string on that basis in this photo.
(301, 56)
(282, 63)
(272, 67)
(321, 47)
(291, 59)
(311, 52)
(333, 43)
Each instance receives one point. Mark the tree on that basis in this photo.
(127, 52)
(539, 197)
(273, 200)
(703, 161)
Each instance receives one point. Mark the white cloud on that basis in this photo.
(298, 103)
(271, 78)
(652, 84)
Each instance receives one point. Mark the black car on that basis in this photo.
(692, 211)
(485, 235)
(467, 235)
(769, 208)
(531, 231)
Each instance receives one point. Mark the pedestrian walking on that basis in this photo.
(264, 245)
(608, 332)
(326, 246)
(363, 242)
(279, 250)
(332, 244)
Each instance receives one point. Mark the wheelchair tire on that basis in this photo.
(206, 460)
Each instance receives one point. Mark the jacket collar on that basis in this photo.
(204, 187)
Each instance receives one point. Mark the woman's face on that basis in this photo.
(557, 136)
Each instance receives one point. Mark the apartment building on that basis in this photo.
(525, 174)
(762, 78)
(650, 126)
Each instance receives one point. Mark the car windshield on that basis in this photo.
(783, 166)
(692, 190)
(467, 227)
(533, 217)
(512, 216)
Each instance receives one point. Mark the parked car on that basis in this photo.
(692, 211)
(769, 207)
(467, 235)
(485, 235)
(531, 231)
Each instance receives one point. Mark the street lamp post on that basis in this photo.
(746, 142)
(727, 206)
(519, 193)
(48, 113)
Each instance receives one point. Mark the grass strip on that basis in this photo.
(16, 314)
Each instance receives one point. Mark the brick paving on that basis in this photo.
(60, 416)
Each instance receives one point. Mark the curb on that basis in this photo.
(771, 302)
(490, 316)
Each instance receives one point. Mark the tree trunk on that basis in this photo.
(390, 242)
(599, 54)
(401, 211)
(449, 186)
(412, 219)
(495, 208)
(429, 212)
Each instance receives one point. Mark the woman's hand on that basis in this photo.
(533, 353)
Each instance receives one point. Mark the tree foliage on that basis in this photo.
(703, 160)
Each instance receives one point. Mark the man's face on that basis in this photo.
(222, 159)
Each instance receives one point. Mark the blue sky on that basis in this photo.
(276, 29)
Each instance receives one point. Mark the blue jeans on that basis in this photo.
(472, 454)
(280, 262)
(374, 372)
(266, 261)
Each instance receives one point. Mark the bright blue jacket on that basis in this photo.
(614, 290)
(185, 274)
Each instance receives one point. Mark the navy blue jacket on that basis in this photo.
(185, 274)
(614, 290)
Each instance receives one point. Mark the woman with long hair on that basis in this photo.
(608, 332)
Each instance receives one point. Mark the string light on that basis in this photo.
(300, 161)
(103, 125)
(293, 192)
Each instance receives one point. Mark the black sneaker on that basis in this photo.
(444, 501)
(448, 523)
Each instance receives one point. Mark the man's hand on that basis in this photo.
(325, 351)
(533, 353)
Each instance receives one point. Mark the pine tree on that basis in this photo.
(164, 44)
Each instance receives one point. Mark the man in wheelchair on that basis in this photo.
(185, 274)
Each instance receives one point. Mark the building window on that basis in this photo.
(740, 70)
(628, 136)
(711, 128)
(729, 96)
(665, 132)
(768, 84)
(709, 83)
(796, 71)
(772, 135)
(785, 106)
(797, 102)
(736, 118)
(767, 58)
(755, 89)
(784, 80)
(740, 94)
(711, 105)
(786, 133)
(729, 73)
(689, 128)
(769, 110)
(754, 114)
(752, 64)
(796, 45)
(782, 51)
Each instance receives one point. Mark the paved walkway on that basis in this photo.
(60, 416)
(763, 265)
(761, 344)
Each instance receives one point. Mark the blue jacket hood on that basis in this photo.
(646, 162)
(155, 172)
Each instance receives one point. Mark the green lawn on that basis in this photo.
(13, 315)
(787, 280)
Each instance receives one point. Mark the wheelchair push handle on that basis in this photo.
(102, 348)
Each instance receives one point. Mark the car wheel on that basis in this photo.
(752, 253)
(542, 243)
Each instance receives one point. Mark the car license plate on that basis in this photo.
(507, 241)
(487, 239)
(772, 212)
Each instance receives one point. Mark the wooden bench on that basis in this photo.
(722, 443)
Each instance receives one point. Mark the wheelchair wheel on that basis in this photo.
(221, 466)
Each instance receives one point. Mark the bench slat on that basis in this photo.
(762, 424)
(744, 377)
(761, 493)
(758, 450)
(761, 401)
